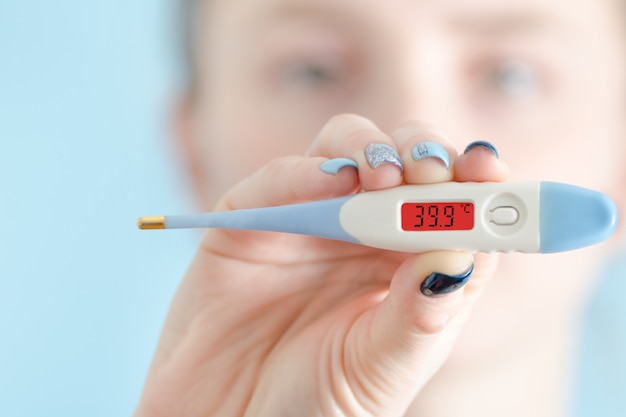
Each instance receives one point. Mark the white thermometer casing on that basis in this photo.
(505, 218)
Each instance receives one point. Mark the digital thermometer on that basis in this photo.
(530, 217)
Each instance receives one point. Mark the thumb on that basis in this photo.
(397, 345)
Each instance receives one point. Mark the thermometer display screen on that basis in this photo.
(428, 216)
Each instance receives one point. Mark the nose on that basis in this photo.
(422, 84)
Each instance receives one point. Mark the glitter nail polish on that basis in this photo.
(378, 154)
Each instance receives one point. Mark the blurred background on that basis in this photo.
(86, 89)
(85, 92)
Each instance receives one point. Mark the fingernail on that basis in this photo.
(333, 166)
(431, 150)
(482, 144)
(441, 284)
(378, 154)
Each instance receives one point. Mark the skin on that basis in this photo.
(271, 324)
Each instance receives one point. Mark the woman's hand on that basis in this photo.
(269, 324)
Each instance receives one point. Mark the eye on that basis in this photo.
(312, 74)
(516, 79)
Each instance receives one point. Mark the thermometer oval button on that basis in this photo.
(504, 216)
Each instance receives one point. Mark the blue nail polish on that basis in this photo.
(440, 284)
(378, 154)
(431, 150)
(482, 144)
(332, 166)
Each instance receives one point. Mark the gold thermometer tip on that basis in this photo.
(151, 222)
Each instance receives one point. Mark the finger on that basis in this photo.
(427, 154)
(357, 138)
(480, 162)
(288, 180)
(401, 342)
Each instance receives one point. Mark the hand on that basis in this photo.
(269, 324)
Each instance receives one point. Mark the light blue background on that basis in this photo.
(85, 89)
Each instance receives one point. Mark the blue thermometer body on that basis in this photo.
(530, 217)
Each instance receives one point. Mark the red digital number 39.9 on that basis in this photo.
(437, 216)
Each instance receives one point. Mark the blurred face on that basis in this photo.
(543, 80)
